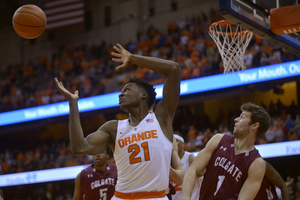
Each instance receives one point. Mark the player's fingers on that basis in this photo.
(61, 84)
(120, 67)
(116, 54)
(120, 46)
(116, 60)
(56, 81)
(117, 49)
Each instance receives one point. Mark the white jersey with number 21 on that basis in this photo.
(143, 156)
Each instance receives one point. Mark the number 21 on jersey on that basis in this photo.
(135, 149)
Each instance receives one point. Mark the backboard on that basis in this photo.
(254, 16)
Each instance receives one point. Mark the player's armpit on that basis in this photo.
(98, 141)
(205, 154)
(253, 182)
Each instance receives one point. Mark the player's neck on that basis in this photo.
(136, 117)
(101, 168)
(243, 145)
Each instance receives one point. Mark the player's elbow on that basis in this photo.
(176, 70)
(77, 151)
(181, 176)
(176, 175)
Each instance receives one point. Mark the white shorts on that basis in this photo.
(163, 198)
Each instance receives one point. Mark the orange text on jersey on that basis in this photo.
(137, 137)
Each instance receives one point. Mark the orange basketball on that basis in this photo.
(29, 21)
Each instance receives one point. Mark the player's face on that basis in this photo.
(242, 125)
(130, 96)
(100, 159)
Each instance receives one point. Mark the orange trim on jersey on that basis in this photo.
(140, 195)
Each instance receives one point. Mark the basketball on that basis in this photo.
(29, 21)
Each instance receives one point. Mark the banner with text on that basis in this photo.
(197, 85)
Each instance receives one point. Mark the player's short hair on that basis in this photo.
(258, 114)
(148, 87)
(1, 193)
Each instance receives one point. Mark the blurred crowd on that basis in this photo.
(294, 187)
(46, 156)
(90, 69)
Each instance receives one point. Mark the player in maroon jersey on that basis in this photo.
(268, 190)
(234, 168)
(96, 182)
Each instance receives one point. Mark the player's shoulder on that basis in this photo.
(78, 175)
(110, 126)
(87, 169)
(191, 158)
(189, 154)
(258, 166)
(112, 165)
(259, 162)
(214, 141)
(217, 138)
(111, 122)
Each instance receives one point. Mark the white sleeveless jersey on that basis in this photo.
(143, 156)
(178, 188)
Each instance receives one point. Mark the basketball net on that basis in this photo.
(232, 41)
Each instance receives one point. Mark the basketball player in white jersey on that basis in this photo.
(142, 143)
(186, 160)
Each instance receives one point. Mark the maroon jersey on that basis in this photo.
(97, 185)
(267, 191)
(226, 172)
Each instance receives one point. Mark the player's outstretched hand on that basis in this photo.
(123, 56)
(68, 95)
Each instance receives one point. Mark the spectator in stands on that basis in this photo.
(1, 195)
(298, 187)
(292, 188)
(270, 135)
(227, 131)
(199, 141)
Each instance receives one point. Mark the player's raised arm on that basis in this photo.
(170, 69)
(198, 166)
(96, 142)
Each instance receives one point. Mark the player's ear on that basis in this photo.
(144, 96)
(255, 125)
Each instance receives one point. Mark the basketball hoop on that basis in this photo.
(232, 41)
